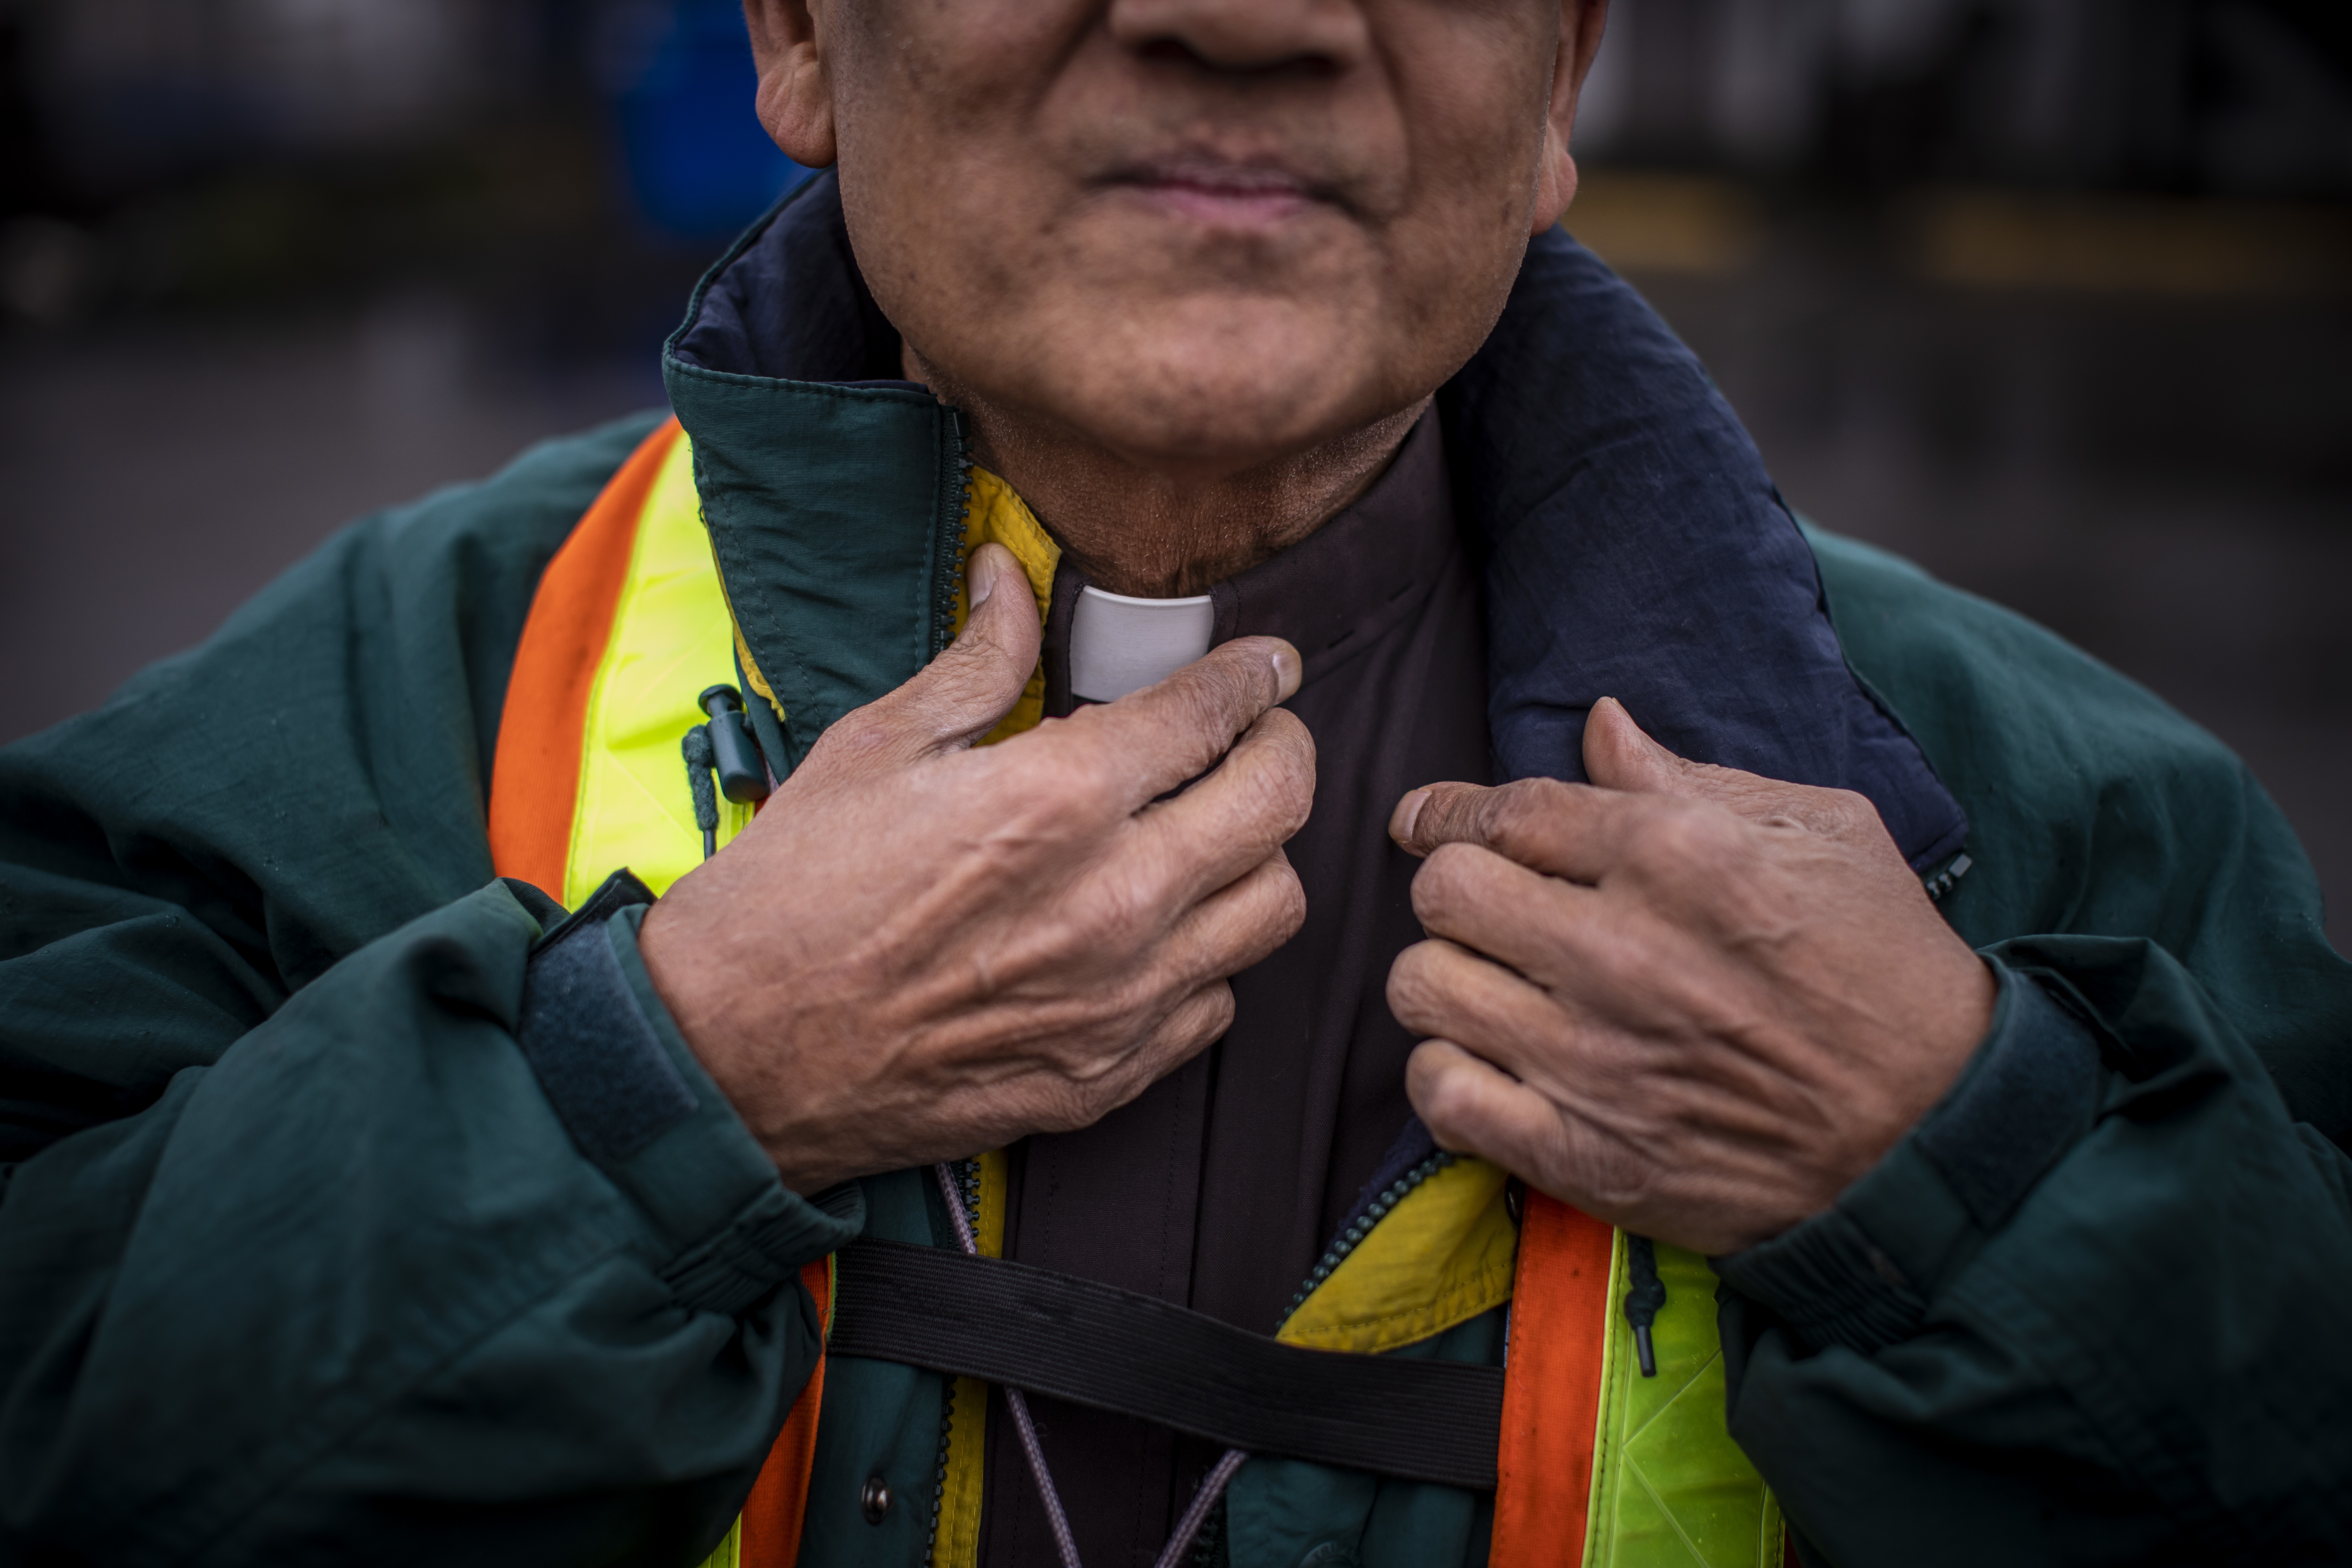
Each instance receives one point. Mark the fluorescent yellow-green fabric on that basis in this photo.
(1442, 1256)
(671, 637)
(994, 515)
(729, 1554)
(1670, 1489)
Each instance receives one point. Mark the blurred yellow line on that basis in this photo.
(1667, 222)
(2005, 239)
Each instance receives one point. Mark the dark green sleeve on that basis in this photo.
(316, 1241)
(2090, 1309)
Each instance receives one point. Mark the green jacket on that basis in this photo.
(299, 1260)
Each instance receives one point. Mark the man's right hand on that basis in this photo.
(920, 949)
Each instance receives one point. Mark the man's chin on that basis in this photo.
(1225, 399)
(1206, 433)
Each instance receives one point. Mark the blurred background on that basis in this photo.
(2053, 296)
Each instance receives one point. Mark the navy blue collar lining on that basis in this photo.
(1633, 545)
(1638, 550)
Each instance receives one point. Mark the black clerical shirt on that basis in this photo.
(1222, 1184)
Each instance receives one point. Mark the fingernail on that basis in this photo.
(1627, 715)
(979, 578)
(1408, 812)
(1285, 670)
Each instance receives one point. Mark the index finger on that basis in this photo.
(1561, 829)
(1176, 730)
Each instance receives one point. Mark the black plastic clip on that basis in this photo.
(742, 775)
(1646, 1295)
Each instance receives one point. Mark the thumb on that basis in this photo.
(964, 692)
(1619, 754)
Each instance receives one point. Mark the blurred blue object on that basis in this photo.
(680, 77)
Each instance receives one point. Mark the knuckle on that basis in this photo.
(1516, 818)
(1290, 908)
(982, 639)
(1071, 785)
(1851, 814)
(1212, 1017)
(1212, 698)
(1109, 1089)
(969, 670)
(1442, 1092)
(1618, 1184)
(1683, 838)
(1291, 772)
(1534, 800)
(1130, 1006)
(1442, 883)
(1273, 904)
(1123, 913)
(1247, 667)
(1277, 799)
(1075, 779)
(1068, 1105)
(1411, 988)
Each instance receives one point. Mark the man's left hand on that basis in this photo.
(1688, 1000)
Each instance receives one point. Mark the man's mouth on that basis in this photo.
(1228, 194)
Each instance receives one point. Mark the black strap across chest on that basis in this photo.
(1092, 1344)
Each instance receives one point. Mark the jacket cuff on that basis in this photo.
(637, 1102)
(1860, 1273)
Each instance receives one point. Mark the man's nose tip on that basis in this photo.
(1246, 35)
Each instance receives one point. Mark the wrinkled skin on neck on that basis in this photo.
(1192, 267)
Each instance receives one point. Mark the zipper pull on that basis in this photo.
(698, 764)
(1646, 1295)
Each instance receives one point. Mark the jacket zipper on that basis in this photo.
(955, 506)
(947, 573)
(967, 1175)
(1362, 1225)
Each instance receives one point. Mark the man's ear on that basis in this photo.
(795, 97)
(1580, 22)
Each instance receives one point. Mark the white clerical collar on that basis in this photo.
(1119, 644)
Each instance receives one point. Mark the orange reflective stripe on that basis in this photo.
(535, 777)
(1551, 1389)
(778, 1506)
(534, 794)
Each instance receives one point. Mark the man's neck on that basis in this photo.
(1161, 532)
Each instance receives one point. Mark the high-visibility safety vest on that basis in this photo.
(1598, 1465)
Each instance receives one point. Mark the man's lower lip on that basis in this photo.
(1207, 205)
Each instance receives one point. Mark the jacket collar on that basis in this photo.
(1634, 544)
